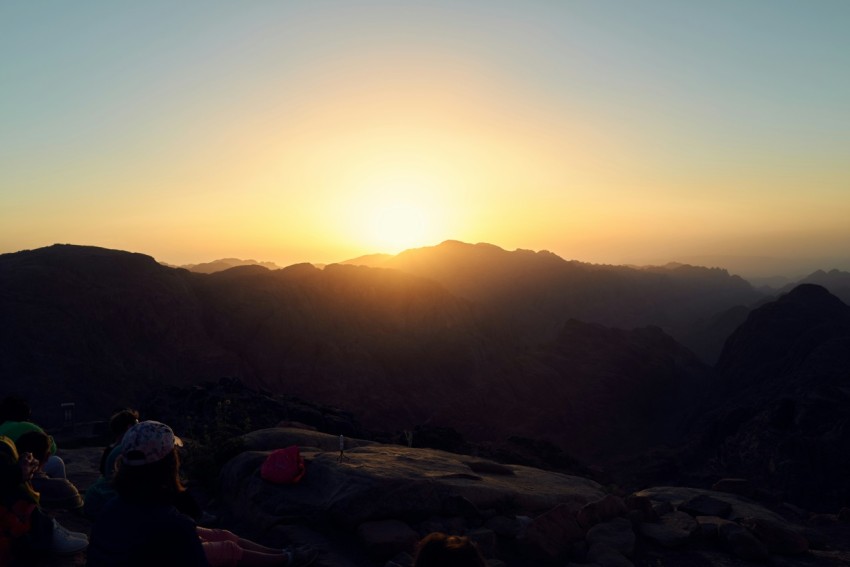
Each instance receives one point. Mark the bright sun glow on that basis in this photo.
(396, 226)
(396, 212)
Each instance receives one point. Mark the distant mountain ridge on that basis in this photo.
(226, 264)
(538, 291)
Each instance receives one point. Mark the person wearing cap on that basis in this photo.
(144, 526)
(141, 526)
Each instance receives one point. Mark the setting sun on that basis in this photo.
(396, 209)
(394, 226)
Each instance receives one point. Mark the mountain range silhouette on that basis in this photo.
(598, 360)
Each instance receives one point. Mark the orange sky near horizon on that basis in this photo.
(304, 131)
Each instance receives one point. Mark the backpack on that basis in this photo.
(283, 466)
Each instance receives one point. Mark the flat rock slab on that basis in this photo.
(378, 482)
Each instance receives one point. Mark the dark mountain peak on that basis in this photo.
(836, 281)
(783, 333)
(69, 253)
(811, 295)
(299, 269)
(780, 398)
(463, 257)
(81, 263)
(804, 306)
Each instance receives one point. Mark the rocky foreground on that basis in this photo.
(370, 507)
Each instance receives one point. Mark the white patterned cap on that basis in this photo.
(148, 442)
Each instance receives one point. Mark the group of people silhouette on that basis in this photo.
(141, 512)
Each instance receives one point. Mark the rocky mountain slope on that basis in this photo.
(538, 291)
(369, 509)
(778, 407)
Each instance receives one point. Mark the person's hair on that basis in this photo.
(14, 408)
(35, 442)
(10, 472)
(123, 420)
(158, 481)
(441, 550)
(12, 484)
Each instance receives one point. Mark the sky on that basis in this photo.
(317, 131)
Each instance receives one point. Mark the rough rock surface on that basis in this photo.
(376, 482)
(751, 532)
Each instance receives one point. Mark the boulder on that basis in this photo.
(456, 505)
(601, 510)
(709, 527)
(504, 526)
(616, 534)
(676, 496)
(673, 530)
(643, 506)
(703, 505)
(777, 538)
(387, 538)
(484, 539)
(551, 534)
(607, 557)
(740, 542)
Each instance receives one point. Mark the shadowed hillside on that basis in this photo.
(101, 328)
(605, 393)
(98, 327)
(389, 343)
(780, 399)
(538, 291)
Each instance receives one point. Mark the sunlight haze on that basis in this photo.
(609, 131)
